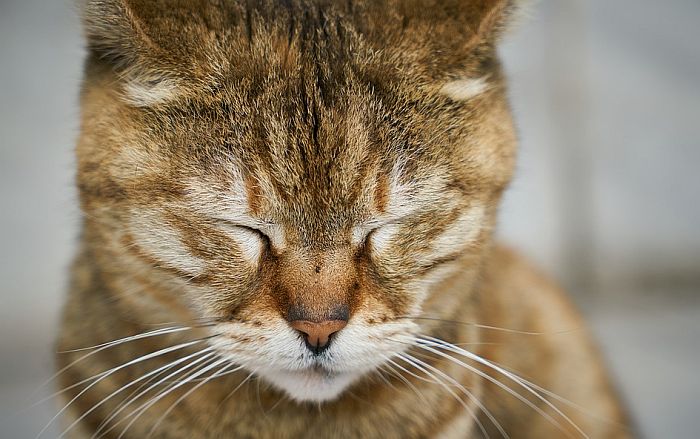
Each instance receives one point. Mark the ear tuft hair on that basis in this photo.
(112, 31)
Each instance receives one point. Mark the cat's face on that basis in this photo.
(307, 199)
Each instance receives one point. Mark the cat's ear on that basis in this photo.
(488, 20)
(117, 35)
(156, 48)
(113, 32)
(449, 44)
(469, 21)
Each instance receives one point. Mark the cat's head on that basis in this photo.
(302, 173)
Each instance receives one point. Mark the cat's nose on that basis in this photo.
(318, 334)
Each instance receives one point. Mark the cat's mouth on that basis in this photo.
(305, 374)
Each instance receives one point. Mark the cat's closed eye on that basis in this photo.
(252, 241)
(245, 230)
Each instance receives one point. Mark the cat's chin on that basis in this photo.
(311, 385)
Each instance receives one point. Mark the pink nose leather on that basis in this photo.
(318, 334)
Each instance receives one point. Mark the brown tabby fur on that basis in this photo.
(309, 114)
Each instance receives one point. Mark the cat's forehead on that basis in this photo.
(315, 169)
(334, 165)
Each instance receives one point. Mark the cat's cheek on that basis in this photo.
(163, 243)
(461, 233)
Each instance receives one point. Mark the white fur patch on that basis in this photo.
(276, 235)
(464, 89)
(311, 385)
(402, 200)
(278, 355)
(232, 206)
(142, 94)
(359, 233)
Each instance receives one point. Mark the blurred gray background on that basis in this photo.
(607, 101)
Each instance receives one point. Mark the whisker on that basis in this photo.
(479, 404)
(114, 370)
(380, 374)
(560, 398)
(412, 374)
(437, 343)
(198, 322)
(99, 348)
(275, 405)
(489, 327)
(130, 401)
(131, 383)
(153, 333)
(218, 374)
(405, 380)
(499, 384)
(154, 400)
(245, 380)
(94, 377)
(412, 361)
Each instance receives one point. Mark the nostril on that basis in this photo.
(318, 334)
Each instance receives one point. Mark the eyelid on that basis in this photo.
(272, 233)
(247, 227)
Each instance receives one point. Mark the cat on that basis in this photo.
(287, 232)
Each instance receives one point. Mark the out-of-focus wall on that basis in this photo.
(607, 99)
(40, 68)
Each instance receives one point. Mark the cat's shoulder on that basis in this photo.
(518, 280)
